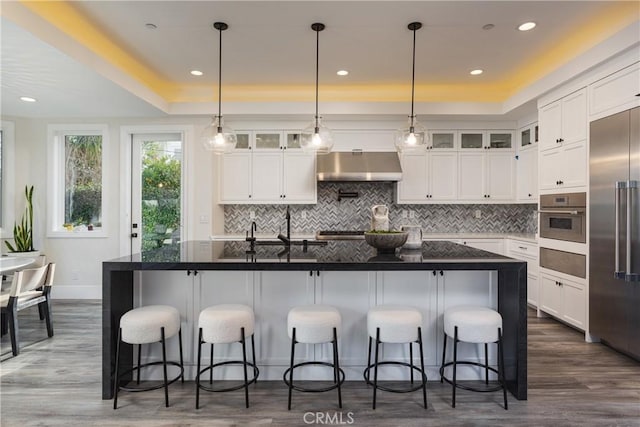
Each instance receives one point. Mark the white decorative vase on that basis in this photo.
(30, 254)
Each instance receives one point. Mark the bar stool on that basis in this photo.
(146, 325)
(226, 324)
(479, 325)
(314, 324)
(400, 325)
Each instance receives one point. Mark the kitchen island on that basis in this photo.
(350, 275)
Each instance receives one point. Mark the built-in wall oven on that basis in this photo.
(564, 217)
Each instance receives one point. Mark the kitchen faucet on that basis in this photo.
(287, 239)
(253, 227)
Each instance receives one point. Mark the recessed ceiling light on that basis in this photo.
(151, 26)
(527, 26)
(343, 73)
(488, 27)
(27, 99)
(196, 72)
(476, 72)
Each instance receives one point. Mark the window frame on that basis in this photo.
(8, 181)
(55, 191)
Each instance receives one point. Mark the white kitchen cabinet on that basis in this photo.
(615, 93)
(487, 140)
(528, 136)
(564, 121)
(271, 169)
(486, 176)
(563, 298)
(527, 251)
(527, 175)
(428, 177)
(564, 167)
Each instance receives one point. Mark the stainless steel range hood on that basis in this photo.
(359, 166)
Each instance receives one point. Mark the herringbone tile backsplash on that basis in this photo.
(355, 213)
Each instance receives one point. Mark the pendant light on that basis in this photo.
(414, 136)
(216, 136)
(316, 137)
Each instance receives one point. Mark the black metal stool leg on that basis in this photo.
(244, 365)
(181, 358)
(139, 363)
(424, 375)
(253, 353)
(116, 384)
(486, 363)
(293, 349)
(210, 364)
(501, 368)
(444, 353)
(455, 363)
(369, 354)
(411, 360)
(336, 366)
(198, 371)
(375, 369)
(164, 368)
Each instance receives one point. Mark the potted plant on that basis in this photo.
(23, 231)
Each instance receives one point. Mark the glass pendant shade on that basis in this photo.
(218, 138)
(316, 138)
(412, 138)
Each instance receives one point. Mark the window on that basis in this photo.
(7, 179)
(77, 184)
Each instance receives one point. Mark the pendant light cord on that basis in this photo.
(413, 75)
(317, 66)
(220, 80)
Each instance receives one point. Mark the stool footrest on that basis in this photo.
(466, 387)
(155, 387)
(256, 372)
(314, 390)
(395, 390)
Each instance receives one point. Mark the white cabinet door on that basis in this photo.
(532, 290)
(299, 176)
(574, 165)
(414, 184)
(471, 173)
(550, 295)
(266, 179)
(574, 117)
(526, 175)
(353, 294)
(443, 176)
(500, 174)
(551, 167)
(550, 118)
(615, 93)
(235, 178)
(574, 303)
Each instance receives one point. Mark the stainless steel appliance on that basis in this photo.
(564, 262)
(563, 217)
(357, 165)
(614, 242)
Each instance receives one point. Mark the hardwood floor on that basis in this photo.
(57, 382)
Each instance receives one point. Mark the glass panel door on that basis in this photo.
(156, 190)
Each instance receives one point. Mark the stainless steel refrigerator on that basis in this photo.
(614, 227)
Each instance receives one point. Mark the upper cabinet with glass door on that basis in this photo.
(443, 140)
(528, 136)
(487, 140)
(267, 140)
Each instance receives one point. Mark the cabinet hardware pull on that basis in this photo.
(134, 234)
(433, 272)
(441, 273)
(310, 273)
(523, 248)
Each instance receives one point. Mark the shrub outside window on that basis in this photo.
(78, 195)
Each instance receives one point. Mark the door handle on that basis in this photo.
(134, 235)
(617, 273)
(630, 275)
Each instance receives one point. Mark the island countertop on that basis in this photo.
(334, 255)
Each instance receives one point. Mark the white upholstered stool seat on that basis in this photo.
(476, 325)
(395, 324)
(143, 325)
(226, 324)
(314, 324)
(147, 325)
(221, 324)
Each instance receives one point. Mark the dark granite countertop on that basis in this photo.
(335, 255)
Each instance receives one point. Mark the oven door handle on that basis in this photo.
(562, 212)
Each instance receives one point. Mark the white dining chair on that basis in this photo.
(29, 287)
